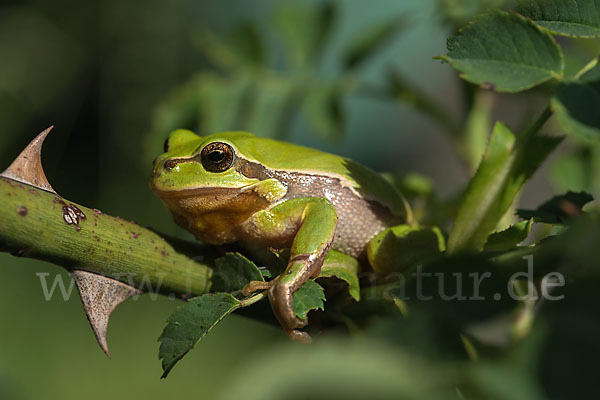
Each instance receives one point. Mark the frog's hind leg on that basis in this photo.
(314, 221)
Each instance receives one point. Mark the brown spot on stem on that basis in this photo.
(22, 211)
(71, 213)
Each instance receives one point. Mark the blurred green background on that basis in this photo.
(112, 76)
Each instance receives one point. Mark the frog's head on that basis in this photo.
(209, 185)
(191, 163)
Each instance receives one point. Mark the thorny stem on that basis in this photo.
(37, 224)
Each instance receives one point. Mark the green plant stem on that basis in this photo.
(33, 225)
(251, 300)
(536, 126)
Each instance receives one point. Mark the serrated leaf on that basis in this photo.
(343, 267)
(559, 209)
(508, 238)
(574, 18)
(309, 297)
(576, 104)
(232, 272)
(370, 40)
(324, 110)
(190, 323)
(505, 52)
(505, 167)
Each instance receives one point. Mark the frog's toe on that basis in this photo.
(301, 323)
(299, 336)
(254, 286)
(280, 296)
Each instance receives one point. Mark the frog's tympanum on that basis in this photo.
(236, 187)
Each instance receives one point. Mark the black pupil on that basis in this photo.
(215, 156)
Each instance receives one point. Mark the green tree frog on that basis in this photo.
(236, 187)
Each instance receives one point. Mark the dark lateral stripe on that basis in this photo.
(251, 170)
(300, 184)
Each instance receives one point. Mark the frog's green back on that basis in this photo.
(279, 155)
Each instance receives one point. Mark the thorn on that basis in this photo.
(27, 167)
(100, 295)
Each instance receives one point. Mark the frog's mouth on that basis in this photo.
(201, 201)
(206, 192)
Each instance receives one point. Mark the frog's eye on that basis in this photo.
(217, 157)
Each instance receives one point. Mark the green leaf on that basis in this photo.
(502, 172)
(559, 209)
(343, 267)
(505, 52)
(310, 296)
(574, 18)
(304, 31)
(403, 246)
(346, 275)
(508, 238)
(370, 40)
(324, 110)
(190, 323)
(576, 104)
(232, 272)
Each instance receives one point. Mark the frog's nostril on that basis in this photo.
(170, 164)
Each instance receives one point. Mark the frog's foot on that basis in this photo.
(280, 297)
(254, 286)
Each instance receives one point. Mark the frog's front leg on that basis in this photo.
(309, 223)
